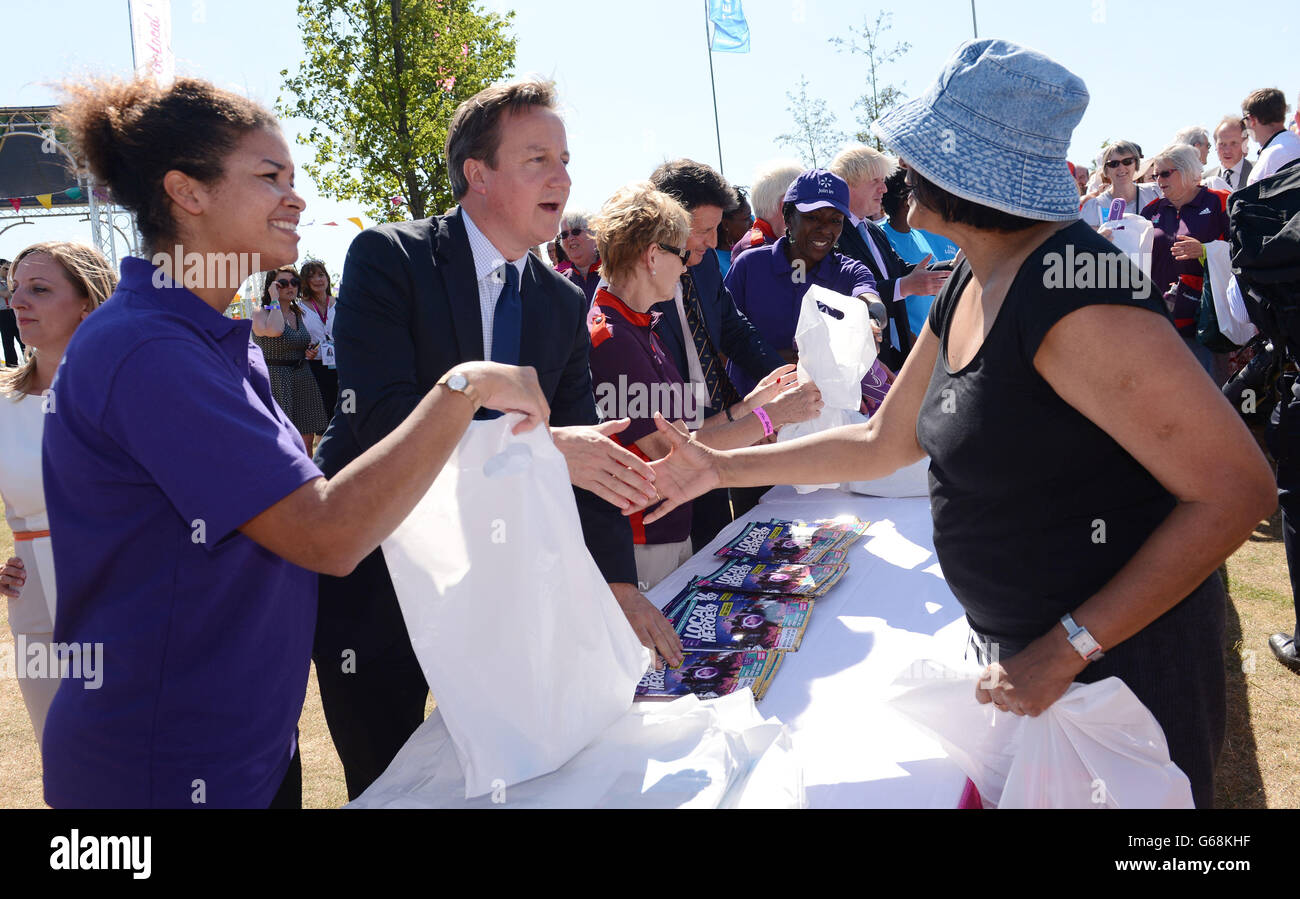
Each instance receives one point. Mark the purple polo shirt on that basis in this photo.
(627, 360)
(163, 439)
(1203, 217)
(764, 286)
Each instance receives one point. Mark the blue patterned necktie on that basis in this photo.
(507, 320)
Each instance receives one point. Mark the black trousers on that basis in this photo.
(1283, 439)
(290, 793)
(327, 380)
(372, 688)
(9, 336)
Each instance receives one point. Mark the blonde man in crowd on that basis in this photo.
(771, 180)
(865, 170)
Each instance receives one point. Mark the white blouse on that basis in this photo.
(22, 423)
(1090, 212)
(321, 332)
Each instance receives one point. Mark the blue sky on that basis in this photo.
(634, 77)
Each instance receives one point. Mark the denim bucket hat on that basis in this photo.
(994, 129)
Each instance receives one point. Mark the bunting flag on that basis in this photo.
(46, 200)
(357, 221)
(730, 30)
(16, 203)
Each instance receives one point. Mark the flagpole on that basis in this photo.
(130, 21)
(717, 130)
(974, 27)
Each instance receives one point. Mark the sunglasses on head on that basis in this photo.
(286, 282)
(576, 232)
(1116, 163)
(683, 255)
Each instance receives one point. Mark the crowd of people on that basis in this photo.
(1043, 409)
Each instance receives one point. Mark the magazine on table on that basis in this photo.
(712, 674)
(750, 576)
(803, 543)
(716, 620)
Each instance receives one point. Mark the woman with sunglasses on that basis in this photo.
(642, 233)
(1119, 167)
(579, 246)
(280, 329)
(1186, 218)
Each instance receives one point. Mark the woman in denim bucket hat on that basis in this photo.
(1086, 478)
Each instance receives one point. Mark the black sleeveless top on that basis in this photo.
(1035, 507)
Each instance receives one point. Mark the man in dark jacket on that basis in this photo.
(418, 298)
(714, 329)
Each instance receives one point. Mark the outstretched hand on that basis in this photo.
(689, 470)
(598, 464)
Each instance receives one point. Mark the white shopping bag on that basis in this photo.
(1096, 747)
(688, 753)
(1135, 236)
(836, 349)
(526, 650)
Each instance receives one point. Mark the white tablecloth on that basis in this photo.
(891, 608)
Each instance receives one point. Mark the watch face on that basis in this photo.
(457, 382)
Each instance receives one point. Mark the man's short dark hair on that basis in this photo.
(693, 184)
(1266, 104)
(952, 208)
(475, 130)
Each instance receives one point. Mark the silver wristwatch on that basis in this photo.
(459, 383)
(1082, 641)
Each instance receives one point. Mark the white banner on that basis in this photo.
(151, 39)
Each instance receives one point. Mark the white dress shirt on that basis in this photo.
(1281, 149)
(489, 271)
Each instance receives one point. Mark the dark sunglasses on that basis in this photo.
(683, 255)
(1163, 173)
(576, 232)
(286, 282)
(1116, 163)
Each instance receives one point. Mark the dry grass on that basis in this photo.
(1260, 765)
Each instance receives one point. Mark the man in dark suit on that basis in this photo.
(715, 330)
(865, 169)
(1230, 144)
(418, 298)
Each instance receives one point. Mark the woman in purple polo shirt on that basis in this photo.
(187, 521)
(1186, 218)
(768, 283)
(641, 233)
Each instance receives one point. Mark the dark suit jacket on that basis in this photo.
(1217, 172)
(851, 244)
(408, 311)
(731, 332)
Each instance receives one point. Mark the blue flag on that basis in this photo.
(730, 30)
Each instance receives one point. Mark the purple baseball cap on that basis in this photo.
(818, 188)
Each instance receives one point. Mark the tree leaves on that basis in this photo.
(879, 98)
(379, 85)
(815, 137)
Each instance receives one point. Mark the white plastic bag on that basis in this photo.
(1135, 236)
(1096, 747)
(836, 348)
(689, 753)
(526, 650)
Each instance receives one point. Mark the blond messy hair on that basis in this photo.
(636, 216)
(87, 270)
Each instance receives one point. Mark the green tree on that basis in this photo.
(879, 98)
(815, 137)
(379, 85)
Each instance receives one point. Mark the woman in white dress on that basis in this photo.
(55, 286)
